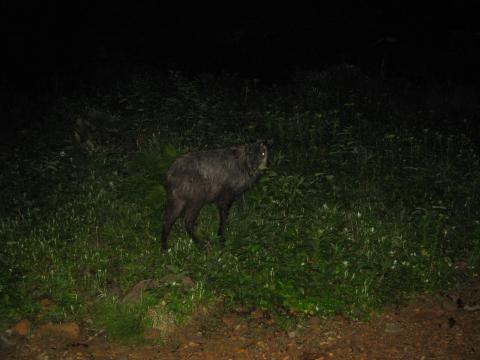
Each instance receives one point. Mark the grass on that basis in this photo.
(361, 205)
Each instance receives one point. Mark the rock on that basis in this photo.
(22, 328)
(69, 331)
(292, 334)
(392, 328)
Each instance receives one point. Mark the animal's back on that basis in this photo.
(197, 175)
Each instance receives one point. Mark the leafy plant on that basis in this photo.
(363, 203)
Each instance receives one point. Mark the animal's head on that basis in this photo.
(257, 155)
(253, 155)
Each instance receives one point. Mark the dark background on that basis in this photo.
(62, 48)
(42, 39)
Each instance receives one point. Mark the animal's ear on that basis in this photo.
(266, 142)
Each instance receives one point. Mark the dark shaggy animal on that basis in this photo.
(214, 176)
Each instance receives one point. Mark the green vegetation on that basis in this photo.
(371, 195)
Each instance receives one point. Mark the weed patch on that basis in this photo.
(360, 206)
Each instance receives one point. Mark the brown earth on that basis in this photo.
(430, 327)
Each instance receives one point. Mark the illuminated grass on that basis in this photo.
(353, 212)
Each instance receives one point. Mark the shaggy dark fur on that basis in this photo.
(203, 177)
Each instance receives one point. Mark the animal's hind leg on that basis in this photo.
(223, 209)
(192, 210)
(172, 211)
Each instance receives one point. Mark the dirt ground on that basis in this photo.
(429, 327)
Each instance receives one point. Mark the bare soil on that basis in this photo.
(429, 327)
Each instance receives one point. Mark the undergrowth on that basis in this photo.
(361, 205)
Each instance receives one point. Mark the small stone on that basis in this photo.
(292, 334)
(67, 330)
(22, 328)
